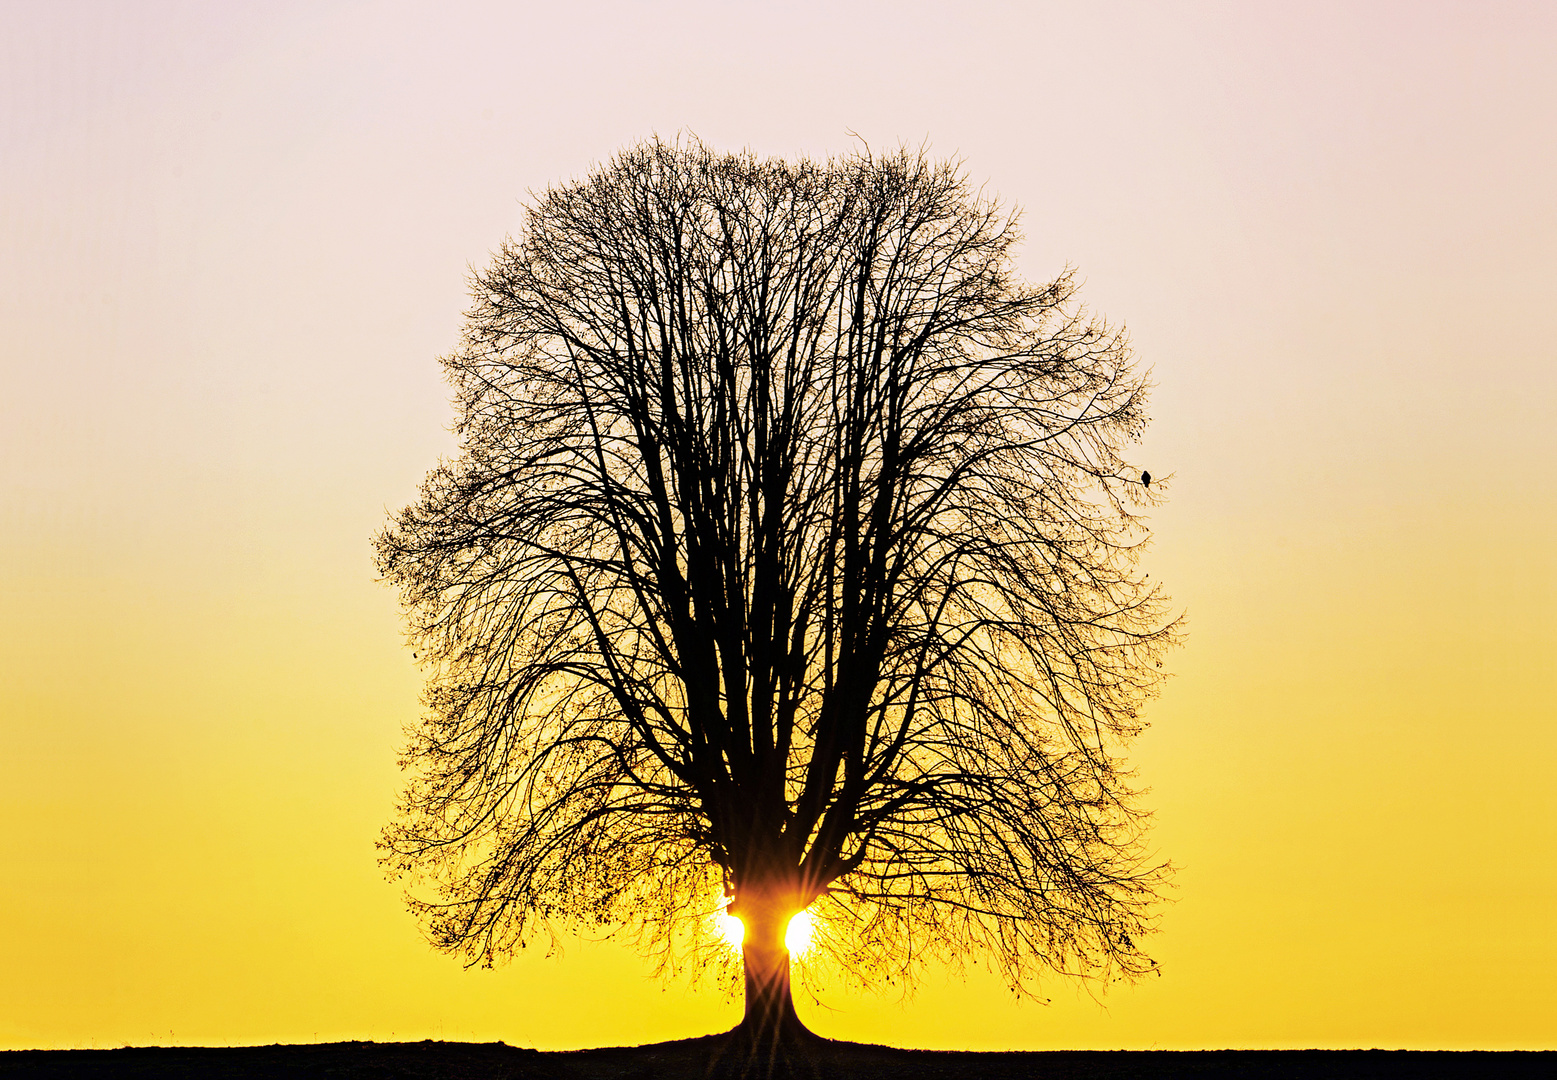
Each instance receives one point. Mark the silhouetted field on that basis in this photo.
(711, 1057)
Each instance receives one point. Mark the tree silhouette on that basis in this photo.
(789, 556)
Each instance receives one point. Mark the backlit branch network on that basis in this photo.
(789, 558)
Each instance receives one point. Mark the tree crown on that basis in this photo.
(790, 554)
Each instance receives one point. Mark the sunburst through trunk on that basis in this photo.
(769, 1011)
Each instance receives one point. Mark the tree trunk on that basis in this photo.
(770, 1009)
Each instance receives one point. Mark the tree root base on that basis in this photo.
(785, 1051)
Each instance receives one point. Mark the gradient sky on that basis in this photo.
(234, 238)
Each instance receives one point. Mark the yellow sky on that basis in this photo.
(232, 243)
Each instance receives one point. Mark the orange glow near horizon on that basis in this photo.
(236, 239)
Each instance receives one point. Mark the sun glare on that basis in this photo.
(731, 929)
(797, 935)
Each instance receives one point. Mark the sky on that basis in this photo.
(234, 239)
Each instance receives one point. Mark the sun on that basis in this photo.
(797, 935)
(730, 928)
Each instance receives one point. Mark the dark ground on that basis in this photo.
(712, 1057)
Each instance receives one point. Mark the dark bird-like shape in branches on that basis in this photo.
(787, 559)
(1146, 479)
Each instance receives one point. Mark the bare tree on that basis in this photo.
(789, 554)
